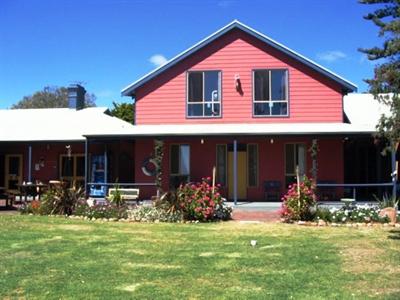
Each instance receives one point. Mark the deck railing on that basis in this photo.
(354, 186)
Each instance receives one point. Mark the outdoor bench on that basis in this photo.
(127, 195)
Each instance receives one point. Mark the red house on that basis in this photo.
(238, 101)
(252, 107)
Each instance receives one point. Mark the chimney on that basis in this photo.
(76, 96)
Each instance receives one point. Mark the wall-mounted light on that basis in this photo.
(271, 141)
(202, 141)
(238, 84)
(69, 150)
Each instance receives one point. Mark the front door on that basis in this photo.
(241, 175)
(13, 171)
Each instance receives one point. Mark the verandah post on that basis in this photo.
(86, 165)
(394, 170)
(235, 172)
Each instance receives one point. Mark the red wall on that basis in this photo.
(271, 161)
(312, 97)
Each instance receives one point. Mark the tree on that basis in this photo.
(51, 97)
(385, 85)
(124, 111)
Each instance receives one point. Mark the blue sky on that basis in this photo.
(110, 43)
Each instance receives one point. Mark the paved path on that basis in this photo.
(255, 211)
(262, 216)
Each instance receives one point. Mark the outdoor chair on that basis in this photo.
(272, 190)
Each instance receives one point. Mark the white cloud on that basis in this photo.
(158, 60)
(331, 56)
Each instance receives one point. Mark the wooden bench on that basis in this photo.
(127, 195)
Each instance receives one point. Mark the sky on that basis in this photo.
(108, 44)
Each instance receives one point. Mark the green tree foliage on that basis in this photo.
(124, 111)
(51, 97)
(385, 85)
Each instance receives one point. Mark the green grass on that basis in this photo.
(44, 257)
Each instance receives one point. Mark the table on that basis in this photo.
(31, 189)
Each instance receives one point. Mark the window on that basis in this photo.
(72, 168)
(179, 164)
(295, 155)
(252, 165)
(204, 94)
(221, 164)
(270, 94)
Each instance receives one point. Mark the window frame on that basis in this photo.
(179, 160)
(203, 101)
(296, 144)
(248, 165)
(287, 101)
(74, 177)
(226, 163)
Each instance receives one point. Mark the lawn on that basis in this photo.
(48, 257)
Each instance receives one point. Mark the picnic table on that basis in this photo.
(31, 189)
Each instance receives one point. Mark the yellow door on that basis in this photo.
(13, 172)
(241, 175)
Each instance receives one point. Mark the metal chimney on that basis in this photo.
(76, 96)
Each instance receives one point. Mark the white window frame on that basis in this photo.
(270, 102)
(203, 102)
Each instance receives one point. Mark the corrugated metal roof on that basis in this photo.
(57, 124)
(347, 85)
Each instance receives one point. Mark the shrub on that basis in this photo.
(387, 201)
(101, 211)
(59, 200)
(30, 208)
(297, 206)
(199, 201)
(153, 214)
(358, 214)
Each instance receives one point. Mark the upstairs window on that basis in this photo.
(204, 94)
(270, 95)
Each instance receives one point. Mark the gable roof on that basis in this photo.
(347, 85)
(57, 124)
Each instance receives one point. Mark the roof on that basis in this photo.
(347, 85)
(362, 111)
(57, 124)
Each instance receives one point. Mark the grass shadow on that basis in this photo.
(394, 234)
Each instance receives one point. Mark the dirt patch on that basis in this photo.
(153, 266)
(74, 227)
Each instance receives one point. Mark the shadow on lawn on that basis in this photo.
(394, 234)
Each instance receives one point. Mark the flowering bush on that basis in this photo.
(355, 214)
(297, 203)
(153, 214)
(198, 201)
(100, 211)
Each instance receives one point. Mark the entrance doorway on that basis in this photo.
(13, 171)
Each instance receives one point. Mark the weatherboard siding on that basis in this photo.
(312, 97)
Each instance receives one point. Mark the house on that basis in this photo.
(237, 101)
(48, 144)
(251, 107)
